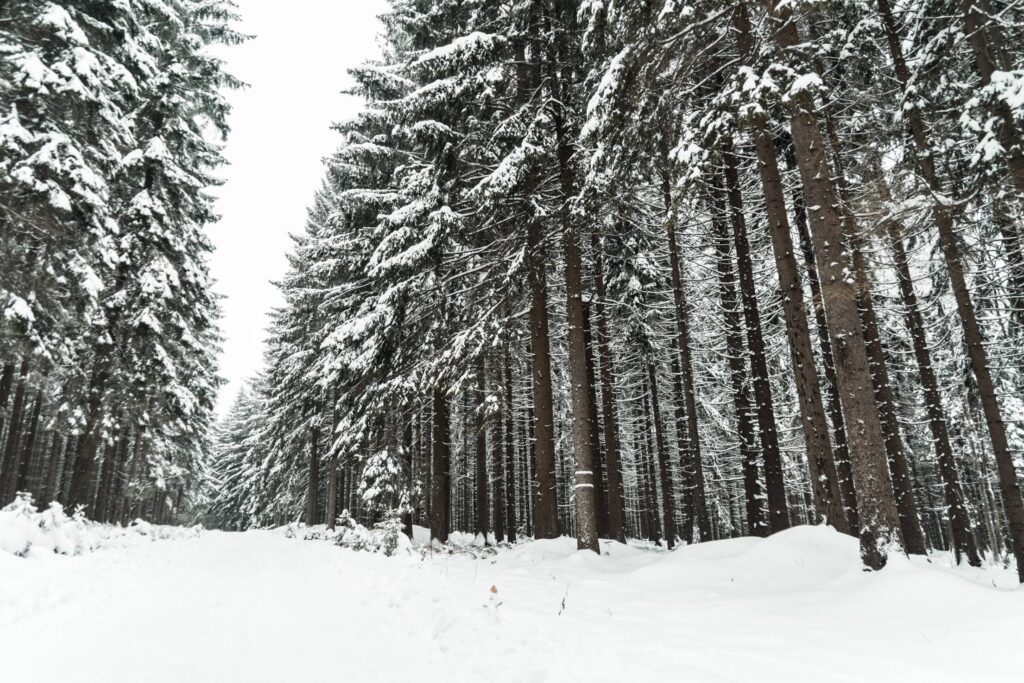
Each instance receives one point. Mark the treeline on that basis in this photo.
(110, 114)
(673, 270)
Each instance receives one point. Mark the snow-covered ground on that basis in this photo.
(262, 607)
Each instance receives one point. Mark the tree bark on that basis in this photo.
(440, 503)
(8, 470)
(880, 529)
(899, 470)
(646, 485)
(664, 466)
(28, 449)
(510, 465)
(88, 442)
(53, 470)
(313, 490)
(778, 515)
(692, 459)
(498, 481)
(613, 458)
(600, 492)
(824, 480)
(480, 473)
(580, 380)
(960, 521)
(757, 525)
(841, 453)
(545, 509)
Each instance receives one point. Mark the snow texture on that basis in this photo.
(261, 606)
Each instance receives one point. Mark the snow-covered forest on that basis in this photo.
(674, 271)
(110, 115)
(650, 275)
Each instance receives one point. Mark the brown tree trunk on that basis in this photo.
(841, 454)
(824, 480)
(331, 513)
(28, 450)
(687, 518)
(973, 338)
(480, 472)
(498, 464)
(899, 470)
(53, 470)
(580, 380)
(646, 485)
(313, 491)
(6, 384)
(664, 466)
(613, 458)
(959, 518)
(440, 494)
(692, 460)
(510, 465)
(879, 519)
(600, 492)
(757, 525)
(8, 466)
(778, 515)
(545, 508)
(88, 442)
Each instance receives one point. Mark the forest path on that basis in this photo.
(257, 606)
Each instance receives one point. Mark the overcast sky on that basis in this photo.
(295, 66)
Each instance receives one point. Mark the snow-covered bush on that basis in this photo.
(387, 537)
(23, 528)
(25, 531)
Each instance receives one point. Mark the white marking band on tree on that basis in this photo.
(584, 486)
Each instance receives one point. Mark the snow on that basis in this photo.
(260, 606)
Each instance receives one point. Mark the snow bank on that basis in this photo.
(28, 532)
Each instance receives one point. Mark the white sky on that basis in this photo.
(295, 67)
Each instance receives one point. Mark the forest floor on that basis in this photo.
(258, 606)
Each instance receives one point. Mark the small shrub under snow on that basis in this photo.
(386, 537)
(26, 531)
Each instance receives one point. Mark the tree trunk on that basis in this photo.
(28, 450)
(757, 525)
(580, 379)
(600, 492)
(647, 485)
(903, 487)
(9, 466)
(510, 465)
(692, 460)
(480, 473)
(53, 470)
(440, 503)
(313, 492)
(879, 519)
(778, 515)
(973, 338)
(664, 466)
(498, 472)
(959, 518)
(88, 442)
(841, 454)
(545, 508)
(613, 458)
(823, 477)
(6, 384)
